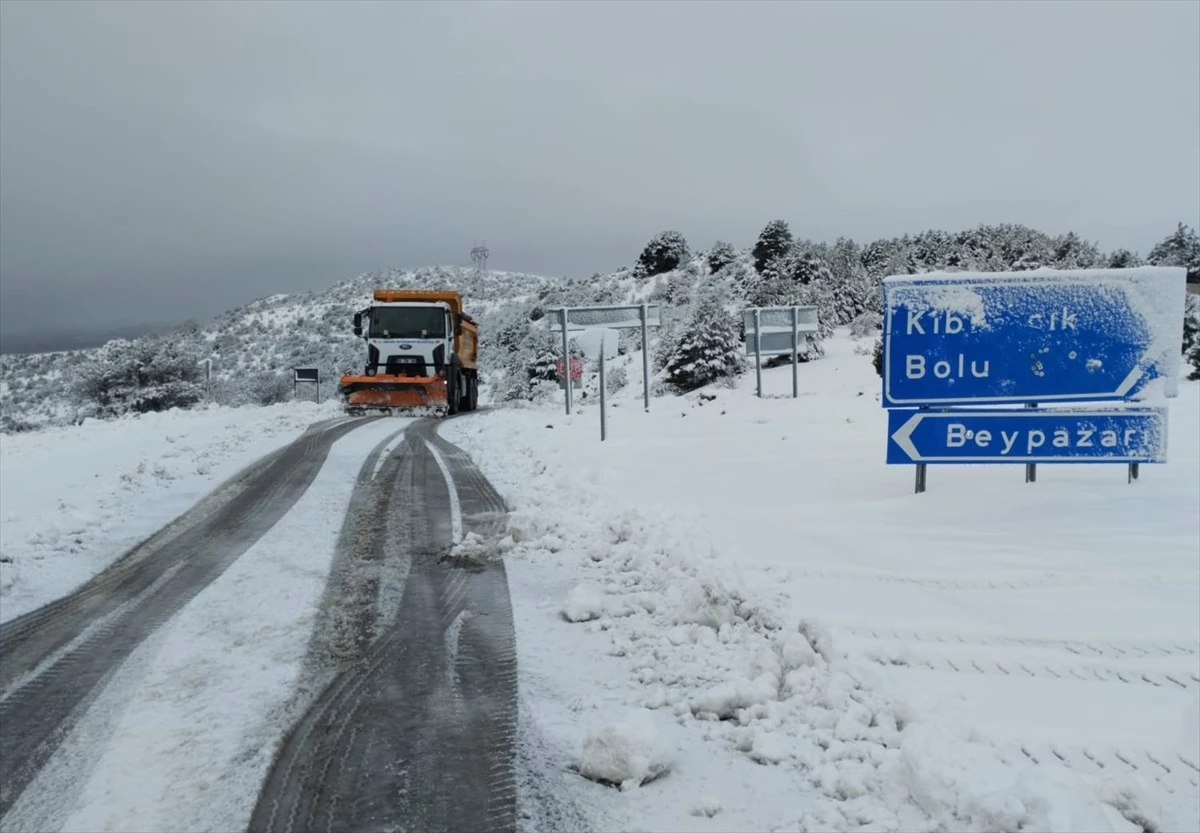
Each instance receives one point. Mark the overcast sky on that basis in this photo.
(160, 161)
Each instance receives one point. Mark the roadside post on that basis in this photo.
(1071, 360)
(603, 392)
(208, 379)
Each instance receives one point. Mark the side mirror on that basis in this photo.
(358, 323)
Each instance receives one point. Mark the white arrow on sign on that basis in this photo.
(903, 435)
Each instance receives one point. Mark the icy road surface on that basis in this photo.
(336, 601)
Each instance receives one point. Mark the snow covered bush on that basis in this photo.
(139, 376)
(708, 347)
(866, 324)
(668, 250)
(877, 356)
(1194, 361)
(720, 255)
(616, 379)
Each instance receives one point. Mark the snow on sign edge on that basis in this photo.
(1156, 294)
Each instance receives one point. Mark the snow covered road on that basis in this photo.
(338, 601)
(53, 659)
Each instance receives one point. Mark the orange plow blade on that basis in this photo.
(387, 393)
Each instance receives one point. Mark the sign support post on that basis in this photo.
(645, 315)
(603, 396)
(566, 358)
(1031, 468)
(758, 350)
(795, 353)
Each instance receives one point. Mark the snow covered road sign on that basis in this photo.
(611, 317)
(1059, 435)
(1040, 336)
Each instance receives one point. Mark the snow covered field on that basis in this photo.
(988, 655)
(732, 612)
(74, 499)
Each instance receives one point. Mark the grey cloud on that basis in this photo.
(164, 161)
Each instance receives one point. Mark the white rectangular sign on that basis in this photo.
(612, 317)
(775, 325)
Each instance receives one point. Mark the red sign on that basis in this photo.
(576, 368)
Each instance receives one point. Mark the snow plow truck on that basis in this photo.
(422, 352)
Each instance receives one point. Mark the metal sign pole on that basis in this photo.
(1133, 472)
(603, 395)
(1031, 468)
(758, 350)
(566, 359)
(645, 314)
(795, 352)
(921, 474)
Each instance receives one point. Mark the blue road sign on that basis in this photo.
(1041, 336)
(1054, 435)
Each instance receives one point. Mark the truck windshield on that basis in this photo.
(408, 322)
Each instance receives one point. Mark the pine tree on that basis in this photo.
(1191, 324)
(668, 250)
(708, 347)
(1123, 259)
(774, 242)
(1073, 252)
(1180, 248)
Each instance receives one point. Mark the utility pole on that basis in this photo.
(479, 256)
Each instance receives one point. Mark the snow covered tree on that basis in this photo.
(708, 347)
(720, 255)
(1191, 323)
(543, 365)
(1073, 252)
(1123, 259)
(139, 376)
(1180, 248)
(668, 250)
(774, 242)
(1194, 361)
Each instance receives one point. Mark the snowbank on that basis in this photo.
(74, 499)
(747, 550)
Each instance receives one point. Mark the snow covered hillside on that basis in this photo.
(253, 348)
(739, 593)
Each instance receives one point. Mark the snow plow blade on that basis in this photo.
(394, 394)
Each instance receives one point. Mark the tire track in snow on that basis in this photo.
(1162, 664)
(1003, 582)
(1037, 670)
(56, 659)
(419, 730)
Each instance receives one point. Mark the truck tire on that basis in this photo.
(454, 382)
(464, 394)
